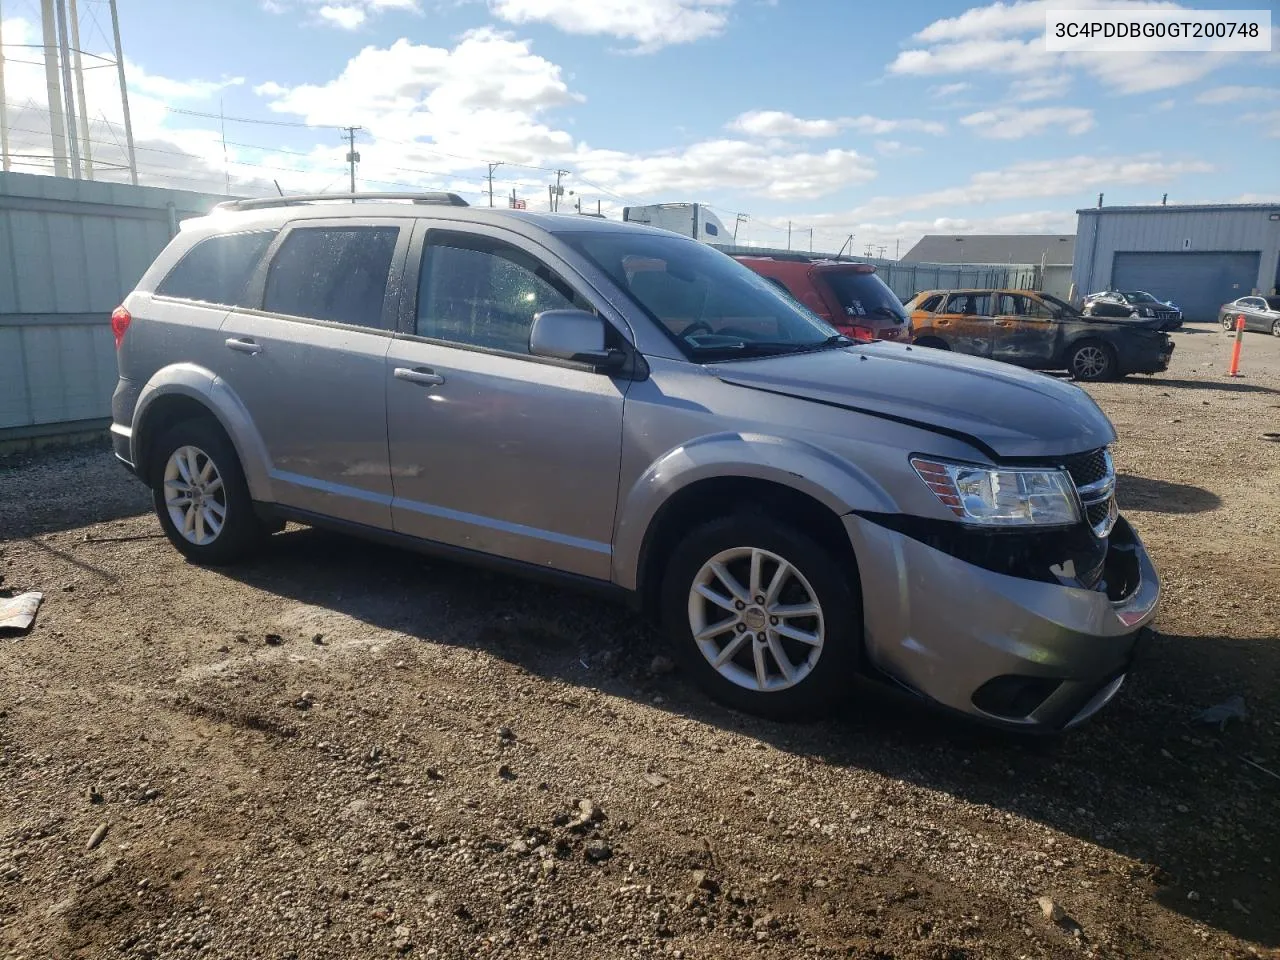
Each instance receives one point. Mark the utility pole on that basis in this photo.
(352, 157)
(788, 234)
(4, 111)
(492, 167)
(68, 88)
(226, 165)
(557, 191)
(897, 245)
(124, 96)
(74, 14)
(53, 90)
(882, 250)
(811, 239)
(742, 218)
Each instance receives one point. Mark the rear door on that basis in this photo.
(1025, 331)
(1255, 314)
(307, 362)
(966, 324)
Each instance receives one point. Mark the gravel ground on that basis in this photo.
(344, 751)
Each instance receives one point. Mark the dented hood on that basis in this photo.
(1001, 409)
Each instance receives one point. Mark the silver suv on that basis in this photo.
(631, 410)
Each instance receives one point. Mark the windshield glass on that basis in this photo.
(713, 307)
(865, 295)
(1062, 305)
(1140, 296)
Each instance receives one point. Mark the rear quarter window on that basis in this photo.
(217, 269)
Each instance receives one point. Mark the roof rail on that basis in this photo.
(263, 203)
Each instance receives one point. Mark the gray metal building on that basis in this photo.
(1197, 256)
(69, 252)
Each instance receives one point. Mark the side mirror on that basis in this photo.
(573, 335)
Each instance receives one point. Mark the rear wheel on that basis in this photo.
(764, 618)
(1275, 328)
(201, 496)
(1092, 361)
(1228, 322)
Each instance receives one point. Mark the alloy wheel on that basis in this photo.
(1089, 362)
(756, 619)
(1275, 328)
(194, 495)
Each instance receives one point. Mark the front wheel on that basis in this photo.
(1275, 328)
(201, 496)
(1092, 361)
(1228, 323)
(764, 618)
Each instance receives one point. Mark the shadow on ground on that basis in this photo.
(1225, 385)
(36, 497)
(1162, 496)
(1140, 779)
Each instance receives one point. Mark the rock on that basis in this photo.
(224, 649)
(1183, 808)
(318, 639)
(98, 836)
(434, 774)
(505, 733)
(1240, 906)
(598, 851)
(655, 780)
(661, 665)
(10, 874)
(590, 810)
(150, 794)
(1051, 909)
(504, 772)
(519, 847)
(93, 795)
(1193, 896)
(703, 881)
(273, 639)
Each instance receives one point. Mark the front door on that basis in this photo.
(307, 363)
(493, 449)
(1025, 331)
(965, 323)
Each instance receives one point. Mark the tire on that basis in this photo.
(222, 527)
(1091, 361)
(819, 674)
(1275, 328)
(1228, 323)
(933, 343)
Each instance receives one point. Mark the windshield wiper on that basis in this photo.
(759, 348)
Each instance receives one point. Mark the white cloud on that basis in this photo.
(651, 24)
(1002, 38)
(348, 18)
(1043, 87)
(775, 123)
(726, 164)
(1062, 177)
(1011, 123)
(896, 148)
(1266, 123)
(1236, 94)
(344, 14)
(1164, 106)
(165, 88)
(950, 89)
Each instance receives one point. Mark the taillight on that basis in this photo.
(863, 333)
(120, 320)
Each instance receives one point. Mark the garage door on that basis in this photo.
(1197, 282)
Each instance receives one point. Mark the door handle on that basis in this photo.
(244, 346)
(422, 375)
(1004, 323)
(943, 323)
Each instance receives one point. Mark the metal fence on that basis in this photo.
(70, 250)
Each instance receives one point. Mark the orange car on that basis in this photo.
(1036, 330)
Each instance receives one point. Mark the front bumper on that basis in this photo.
(1150, 360)
(1017, 652)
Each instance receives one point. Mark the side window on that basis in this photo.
(332, 273)
(1008, 305)
(484, 293)
(712, 229)
(216, 270)
(1037, 309)
(970, 304)
(930, 304)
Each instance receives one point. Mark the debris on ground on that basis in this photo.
(18, 613)
(1221, 714)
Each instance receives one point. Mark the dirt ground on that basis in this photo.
(345, 751)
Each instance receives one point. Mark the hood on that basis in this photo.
(1147, 323)
(1001, 409)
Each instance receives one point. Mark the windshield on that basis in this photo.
(713, 307)
(1140, 296)
(1062, 305)
(865, 295)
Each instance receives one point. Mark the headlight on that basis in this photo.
(1148, 312)
(1001, 496)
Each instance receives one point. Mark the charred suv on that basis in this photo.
(631, 411)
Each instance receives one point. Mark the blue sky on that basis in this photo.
(881, 120)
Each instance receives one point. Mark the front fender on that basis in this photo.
(836, 483)
(204, 387)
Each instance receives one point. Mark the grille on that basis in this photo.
(1087, 468)
(1166, 314)
(1098, 513)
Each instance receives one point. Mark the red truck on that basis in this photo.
(849, 296)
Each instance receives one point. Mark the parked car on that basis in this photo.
(1037, 330)
(634, 412)
(1260, 313)
(1134, 304)
(849, 296)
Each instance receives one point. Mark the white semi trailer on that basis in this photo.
(691, 219)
